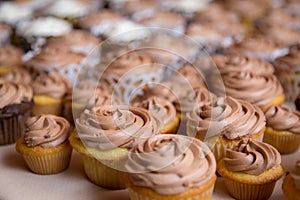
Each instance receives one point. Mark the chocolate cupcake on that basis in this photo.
(15, 107)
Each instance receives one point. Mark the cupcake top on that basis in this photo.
(72, 8)
(238, 63)
(185, 6)
(103, 97)
(52, 84)
(98, 20)
(171, 164)
(78, 41)
(10, 56)
(108, 127)
(46, 131)
(296, 175)
(43, 27)
(290, 62)
(252, 157)
(158, 107)
(283, 119)
(162, 91)
(127, 62)
(11, 93)
(5, 33)
(259, 90)
(229, 117)
(11, 12)
(84, 93)
(192, 98)
(168, 20)
(17, 75)
(259, 46)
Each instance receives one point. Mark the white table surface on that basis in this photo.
(18, 183)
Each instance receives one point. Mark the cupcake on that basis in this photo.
(78, 41)
(286, 69)
(165, 19)
(45, 146)
(223, 123)
(104, 136)
(291, 184)
(164, 109)
(283, 129)
(62, 61)
(192, 74)
(72, 9)
(10, 57)
(5, 34)
(49, 91)
(259, 46)
(15, 106)
(18, 75)
(186, 7)
(251, 170)
(171, 167)
(33, 32)
(97, 22)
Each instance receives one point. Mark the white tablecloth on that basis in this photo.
(18, 183)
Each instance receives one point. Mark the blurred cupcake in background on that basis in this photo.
(10, 58)
(291, 183)
(13, 12)
(18, 75)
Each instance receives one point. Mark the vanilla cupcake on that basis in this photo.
(10, 57)
(62, 61)
(163, 109)
(224, 122)
(251, 170)
(287, 71)
(15, 106)
(45, 146)
(104, 136)
(291, 183)
(283, 129)
(49, 91)
(171, 167)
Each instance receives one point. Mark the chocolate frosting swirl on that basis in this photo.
(231, 118)
(46, 131)
(296, 175)
(11, 93)
(17, 75)
(10, 56)
(107, 127)
(239, 63)
(192, 75)
(252, 157)
(283, 119)
(257, 89)
(161, 108)
(196, 97)
(171, 164)
(52, 84)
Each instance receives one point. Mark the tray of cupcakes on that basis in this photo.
(148, 99)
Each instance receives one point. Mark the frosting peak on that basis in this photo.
(252, 157)
(171, 164)
(46, 131)
(108, 127)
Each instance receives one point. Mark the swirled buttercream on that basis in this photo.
(46, 131)
(229, 117)
(11, 93)
(17, 75)
(284, 119)
(10, 56)
(252, 157)
(107, 127)
(171, 164)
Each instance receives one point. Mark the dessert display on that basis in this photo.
(193, 99)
